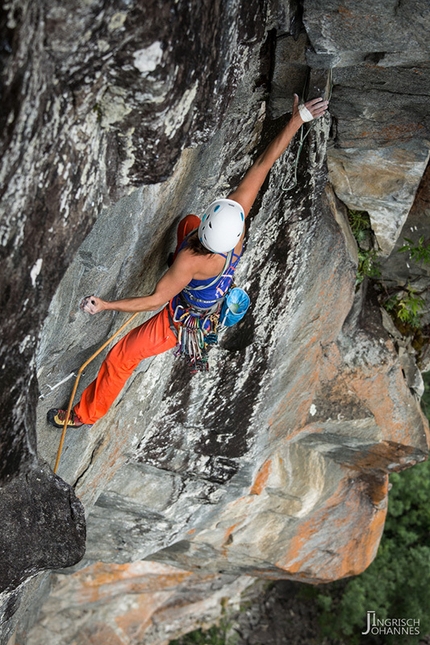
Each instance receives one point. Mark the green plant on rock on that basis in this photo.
(425, 400)
(418, 251)
(368, 263)
(98, 111)
(407, 306)
(220, 634)
(360, 223)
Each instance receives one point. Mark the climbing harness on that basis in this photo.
(75, 386)
(197, 325)
(197, 330)
(197, 321)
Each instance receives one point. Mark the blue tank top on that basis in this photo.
(207, 297)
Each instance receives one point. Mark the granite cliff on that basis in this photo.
(118, 119)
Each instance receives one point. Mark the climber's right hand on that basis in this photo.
(313, 109)
(92, 305)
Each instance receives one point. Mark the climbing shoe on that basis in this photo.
(56, 418)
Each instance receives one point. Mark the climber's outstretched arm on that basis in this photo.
(173, 281)
(248, 188)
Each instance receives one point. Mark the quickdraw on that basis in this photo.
(197, 332)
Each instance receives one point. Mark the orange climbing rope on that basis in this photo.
(75, 386)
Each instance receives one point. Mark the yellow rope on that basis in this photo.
(75, 387)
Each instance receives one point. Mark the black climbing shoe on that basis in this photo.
(56, 418)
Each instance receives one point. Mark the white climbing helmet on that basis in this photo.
(222, 225)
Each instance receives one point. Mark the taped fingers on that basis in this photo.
(305, 114)
(313, 109)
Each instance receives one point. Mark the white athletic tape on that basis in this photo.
(305, 114)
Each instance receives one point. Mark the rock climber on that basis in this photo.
(201, 273)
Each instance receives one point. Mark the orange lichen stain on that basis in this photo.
(381, 456)
(346, 13)
(239, 508)
(387, 415)
(261, 478)
(228, 539)
(294, 559)
(400, 131)
(342, 539)
(101, 634)
(135, 622)
(229, 531)
(103, 581)
(191, 532)
(102, 574)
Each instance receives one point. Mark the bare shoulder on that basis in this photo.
(187, 258)
(187, 262)
(202, 267)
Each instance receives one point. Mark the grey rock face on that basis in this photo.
(366, 27)
(123, 119)
(382, 181)
(72, 134)
(63, 153)
(378, 55)
(51, 515)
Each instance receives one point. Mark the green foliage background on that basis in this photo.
(425, 401)
(397, 583)
(220, 634)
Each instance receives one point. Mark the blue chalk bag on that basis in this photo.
(234, 307)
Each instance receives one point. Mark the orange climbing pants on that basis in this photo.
(155, 336)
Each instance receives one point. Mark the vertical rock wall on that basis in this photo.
(379, 56)
(275, 464)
